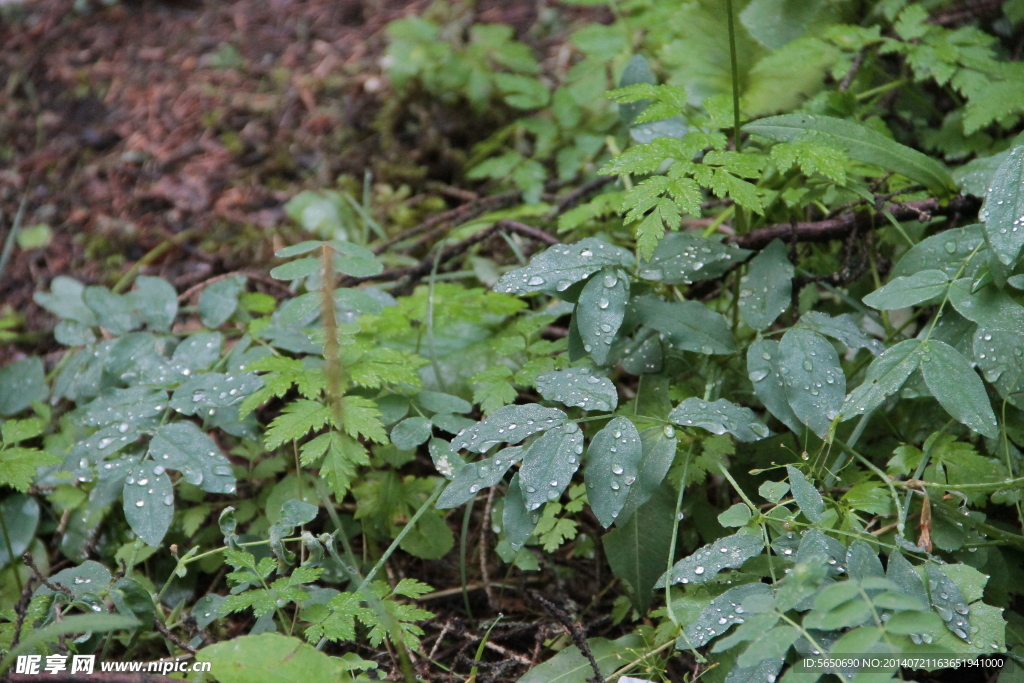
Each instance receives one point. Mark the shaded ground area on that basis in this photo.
(122, 126)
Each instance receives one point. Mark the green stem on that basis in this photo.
(401, 535)
(150, 256)
(10, 552)
(463, 538)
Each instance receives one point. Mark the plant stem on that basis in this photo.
(466, 516)
(741, 218)
(10, 551)
(401, 535)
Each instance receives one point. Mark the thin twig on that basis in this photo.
(55, 587)
(575, 631)
(485, 573)
(173, 638)
(459, 214)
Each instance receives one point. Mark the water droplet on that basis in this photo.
(140, 503)
(617, 469)
(535, 281)
(698, 570)
(603, 303)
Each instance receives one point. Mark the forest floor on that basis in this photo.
(175, 132)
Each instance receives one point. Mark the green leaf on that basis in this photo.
(560, 266)
(687, 325)
(805, 495)
(476, 476)
(183, 447)
(438, 402)
(76, 623)
(773, 491)
(579, 387)
(600, 310)
(682, 258)
(88, 577)
(113, 311)
(66, 302)
(430, 539)
(209, 392)
(517, 522)
(861, 143)
(548, 465)
(721, 613)
(148, 502)
(773, 23)
(637, 550)
(510, 424)
(219, 300)
(989, 306)
(771, 647)
(21, 519)
(764, 371)
(814, 379)
(570, 666)
(411, 432)
(948, 601)
(269, 658)
(297, 269)
(659, 451)
(296, 420)
(342, 460)
(883, 378)
(957, 387)
(613, 463)
(946, 251)
(719, 417)
(902, 292)
(1003, 212)
(735, 516)
(21, 382)
(728, 552)
(998, 355)
(767, 288)
(841, 327)
(902, 573)
(156, 302)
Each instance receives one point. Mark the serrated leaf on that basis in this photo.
(719, 417)
(549, 463)
(509, 424)
(687, 325)
(765, 373)
(721, 614)
(637, 550)
(957, 387)
(183, 447)
(560, 266)
(599, 312)
(861, 143)
(883, 378)
(341, 463)
(473, 477)
(579, 387)
(517, 522)
(148, 503)
(296, 420)
(729, 552)
(814, 379)
(218, 301)
(1003, 212)
(682, 258)
(613, 463)
(805, 495)
(902, 292)
(411, 432)
(767, 288)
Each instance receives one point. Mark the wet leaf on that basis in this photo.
(805, 495)
(686, 325)
(883, 378)
(508, 424)
(721, 614)
(902, 292)
(411, 432)
(570, 666)
(599, 311)
(549, 463)
(682, 258)
(637, 550)
(948, 601)
(767, 288)
(183, 447)
(148, 502)
(957, 387)
(21, 382)
(719, 417)
(218, 301)
(65, 300)
(814, 379)
(659, 451)
(1003, 212)
(517, 522)
(561, 266)
(21, 519)
(613, 462)
(156, 301)
(476, 476)
(729, 552)
(841, 327)
(579, 387)
(764, 371)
